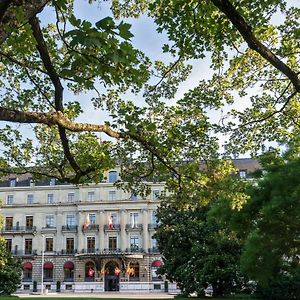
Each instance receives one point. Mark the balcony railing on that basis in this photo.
(134, 249)
(69, 228)
(113, 227)
(90, 251)
(91, 227)
(134, 227)
(49, 228)
(19, 230)
(111, 251)
(152, 226)
(25, 252)
(68, 251)
(153, 250)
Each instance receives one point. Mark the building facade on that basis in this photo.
(88, 238)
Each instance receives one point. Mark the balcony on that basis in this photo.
(152, 226)
(134, 249)
(69, 228)
(25, 252)
(134, 227)
(90, 228)
(108, 251)
(68, 251)
(90, 251)
(112, 227)
(19, 230)
(49, 229)
(153, 250)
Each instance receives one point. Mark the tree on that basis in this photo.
(197, 249)
(45, 63)
(10, 271)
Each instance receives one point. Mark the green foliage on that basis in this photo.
(197, 249)
(10, 271)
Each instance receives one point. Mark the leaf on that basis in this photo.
(106, 23)
(124, 31)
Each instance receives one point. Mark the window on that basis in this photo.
(154, 243)
(71, 197)
(48, 272)
(243, 173)
(50, 221)
(112, 243)
(114, 218)
(8, 223)
(112, 195)
(50, 199)
(52, 181)
(71, 220)
(30, 199)
(134, 219)
(27, 271)
(92, 218)
(91, 196)
(90, 244)
(10, 199)
(134, 243)
(28, 246)
(112, 176)
(49, 245)
(8, 245)
(68, 271)
(13, 182)
(29, 222)
(134, 271)
(133, 197)
(155, 194)
(154, 220)
(69, 245)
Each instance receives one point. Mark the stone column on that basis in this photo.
(80, 235)
(59, 236)
(123, 233)
(145, 233)
(102, 217)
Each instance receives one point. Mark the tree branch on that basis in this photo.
(246, 31)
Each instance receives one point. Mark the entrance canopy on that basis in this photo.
(27, 266)
(68, 265)
(48, 265)
(156, 264)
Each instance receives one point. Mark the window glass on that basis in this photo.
(50, 221)
(92, 218)
(91, 196)
(134, 219)
(71, 197)
(71, 220)
(50, 198)
(49, 244)
(112, 195)
(134, 242)
(112, 243)
(112, 176)
(10, 199)
(30, 199)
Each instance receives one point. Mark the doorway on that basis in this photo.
(112, 277)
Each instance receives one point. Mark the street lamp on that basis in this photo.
(43, 247)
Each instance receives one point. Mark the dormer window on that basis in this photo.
(52, 181)
(12, 182)
(112, 176)
(243, 174)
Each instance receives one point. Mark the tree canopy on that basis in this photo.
(253, 51)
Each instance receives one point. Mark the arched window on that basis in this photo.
(48, 271)
(112, 176)
(68, 271)
(134, 271)
(154, 267)
(27, 271)
(89, 271)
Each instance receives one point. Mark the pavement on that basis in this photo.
(116, 295)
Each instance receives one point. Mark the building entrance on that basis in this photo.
(112, 277)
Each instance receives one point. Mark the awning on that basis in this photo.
(27, 266)
(156, 264)
(68, 265)
(48, 265)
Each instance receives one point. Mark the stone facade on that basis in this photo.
(88, 228)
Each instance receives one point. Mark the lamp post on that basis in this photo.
(43, 247)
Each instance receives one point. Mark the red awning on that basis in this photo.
(27, 266)
(48, 265)
(68, 265)
(156, 264)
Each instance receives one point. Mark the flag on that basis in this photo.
(91, 272)
(86, 222)
(110, 222)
